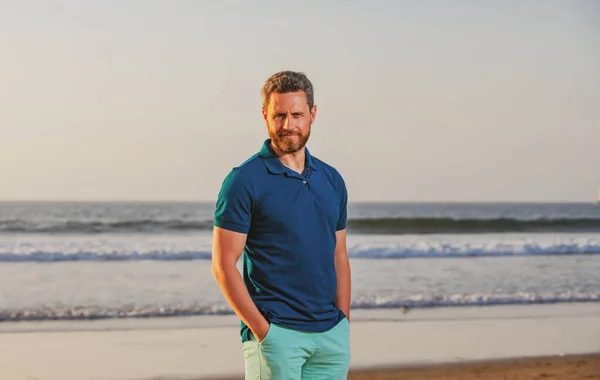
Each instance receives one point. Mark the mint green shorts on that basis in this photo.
(286, 354)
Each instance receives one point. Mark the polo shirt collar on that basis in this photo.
(273, 163)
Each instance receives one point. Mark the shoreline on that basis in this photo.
(387, 314)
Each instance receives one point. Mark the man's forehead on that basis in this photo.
(288, 100)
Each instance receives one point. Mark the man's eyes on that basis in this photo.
(282, 115)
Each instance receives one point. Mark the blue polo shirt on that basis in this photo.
(290, 220)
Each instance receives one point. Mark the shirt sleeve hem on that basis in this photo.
(232, 226)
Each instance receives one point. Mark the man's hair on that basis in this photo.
(287, 81)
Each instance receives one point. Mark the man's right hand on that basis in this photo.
(261, 332)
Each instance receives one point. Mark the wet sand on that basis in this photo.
(571, 367)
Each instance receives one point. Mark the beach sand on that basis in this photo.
(443, 343)
(571, 367)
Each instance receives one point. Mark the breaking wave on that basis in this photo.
(423, 249)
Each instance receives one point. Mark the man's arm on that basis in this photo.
(342, 270)
(227, 249)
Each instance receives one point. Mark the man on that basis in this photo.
(286, 211)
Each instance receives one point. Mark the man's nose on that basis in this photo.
(286, 122)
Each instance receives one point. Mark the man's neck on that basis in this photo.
(294, 161)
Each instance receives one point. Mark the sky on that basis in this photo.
(418, 101)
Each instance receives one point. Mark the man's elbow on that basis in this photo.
(221, 268)
(217, 270)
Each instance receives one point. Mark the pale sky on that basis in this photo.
(418, 100)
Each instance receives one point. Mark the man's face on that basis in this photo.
(288, 118)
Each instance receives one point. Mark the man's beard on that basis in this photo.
(287, 145)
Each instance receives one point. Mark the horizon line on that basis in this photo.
(405, 201)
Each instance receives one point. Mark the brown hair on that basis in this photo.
(287, 81)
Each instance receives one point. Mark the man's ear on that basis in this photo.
(313, 113)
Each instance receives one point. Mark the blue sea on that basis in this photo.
(117, 260)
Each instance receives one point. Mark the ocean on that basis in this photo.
(78, 260)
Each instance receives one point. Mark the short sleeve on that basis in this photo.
(342, 220)
(234, 203)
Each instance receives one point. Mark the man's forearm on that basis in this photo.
(232, 285)
(343, 296)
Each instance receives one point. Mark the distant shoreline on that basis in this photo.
(357, 202)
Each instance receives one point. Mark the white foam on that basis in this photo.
(198, 247)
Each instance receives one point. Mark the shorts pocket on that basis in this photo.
(267, 338)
